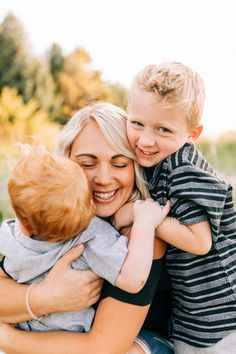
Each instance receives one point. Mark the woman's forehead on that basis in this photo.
(91, 140)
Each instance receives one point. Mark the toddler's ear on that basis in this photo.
(25, 229)
(195, 132)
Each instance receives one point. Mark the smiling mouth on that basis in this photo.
(148, 153)
(104, 195)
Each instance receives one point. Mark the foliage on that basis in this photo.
(13, 58)
(221, 153)
(79, 84)
(60, 84)
(21, 120)
(56, 60)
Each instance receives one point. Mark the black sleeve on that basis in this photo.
(143, 297)
(2, 266)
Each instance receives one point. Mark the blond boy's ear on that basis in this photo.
(195, 132)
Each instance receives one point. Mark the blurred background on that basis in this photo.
(57, 56)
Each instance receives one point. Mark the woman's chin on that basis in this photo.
(104, 211)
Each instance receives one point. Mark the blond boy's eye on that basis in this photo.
(164, 130)
(138, 124)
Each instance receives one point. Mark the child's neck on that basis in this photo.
(24, 229)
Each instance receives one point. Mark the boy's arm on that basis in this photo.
(136, 267)
(195, 239)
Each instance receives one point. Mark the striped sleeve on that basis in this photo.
(196, 195)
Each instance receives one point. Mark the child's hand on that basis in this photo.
(124, 216)
(150, 212)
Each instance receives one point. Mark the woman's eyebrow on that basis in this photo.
(86, 155)
(118, 156)
(95, 157)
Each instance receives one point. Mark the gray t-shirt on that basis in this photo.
(28, 261)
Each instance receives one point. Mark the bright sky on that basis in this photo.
(122, 36)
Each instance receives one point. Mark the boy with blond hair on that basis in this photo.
(165, 107)
(54, 212)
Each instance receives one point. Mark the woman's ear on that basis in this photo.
(195, 132)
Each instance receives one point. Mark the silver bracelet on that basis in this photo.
(27, 304)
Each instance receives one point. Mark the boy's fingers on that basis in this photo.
(167, 206)
(65, 261)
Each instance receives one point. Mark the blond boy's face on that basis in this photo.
(155, 131)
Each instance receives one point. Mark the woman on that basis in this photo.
(95, 138)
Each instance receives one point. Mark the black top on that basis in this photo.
(156, 291)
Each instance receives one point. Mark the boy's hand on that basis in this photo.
(124, 216)
(149, 212)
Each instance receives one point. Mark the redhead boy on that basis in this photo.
(165, 107)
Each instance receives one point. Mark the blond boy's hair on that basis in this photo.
(175, 84)
(50, 194)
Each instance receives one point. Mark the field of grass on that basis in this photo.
(5, 207)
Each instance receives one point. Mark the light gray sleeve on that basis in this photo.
(105, 254)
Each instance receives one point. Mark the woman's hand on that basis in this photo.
(66, 289)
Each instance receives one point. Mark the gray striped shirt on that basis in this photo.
(203, 287)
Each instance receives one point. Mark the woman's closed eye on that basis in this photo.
(87, 164)
(119, 165)
(120, 162)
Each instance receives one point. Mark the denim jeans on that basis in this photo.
(154, 343)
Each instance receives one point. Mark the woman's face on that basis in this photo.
(110, 174)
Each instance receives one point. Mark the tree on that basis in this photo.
(117, 94)
(21, 120)
(13, 58)
(56, 60)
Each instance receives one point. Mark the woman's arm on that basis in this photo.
(64, 289)
(115, 327)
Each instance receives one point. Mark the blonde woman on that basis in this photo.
(95, 138)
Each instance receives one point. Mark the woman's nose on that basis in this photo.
(103, 175)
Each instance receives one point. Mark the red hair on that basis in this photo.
(50, 194)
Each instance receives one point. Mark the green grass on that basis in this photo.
(5, 206)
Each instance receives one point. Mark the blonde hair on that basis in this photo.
(50, 194)
(112, 122)
(175, 84)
